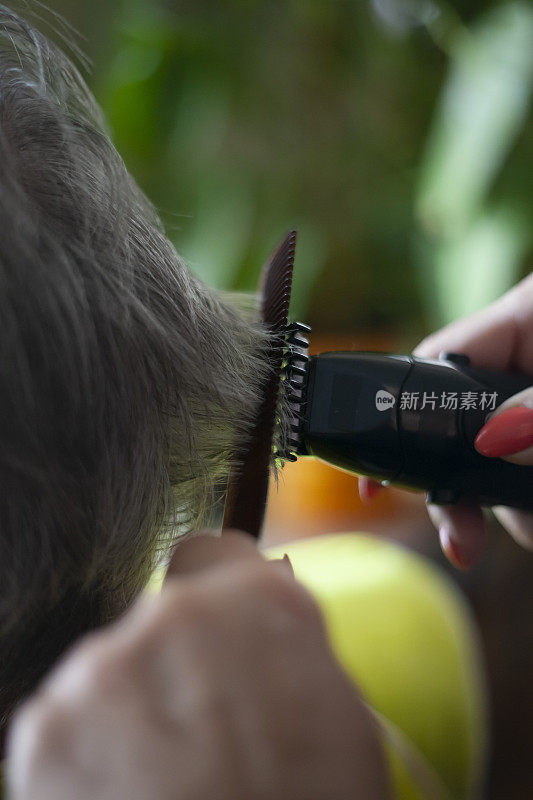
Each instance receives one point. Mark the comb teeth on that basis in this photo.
(294, 375)
(277, 285)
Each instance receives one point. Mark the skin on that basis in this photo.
(223, 686)
(498, 337)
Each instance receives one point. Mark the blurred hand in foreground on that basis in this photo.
(224, 687)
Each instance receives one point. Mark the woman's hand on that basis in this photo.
(499, 337)
(223, 687)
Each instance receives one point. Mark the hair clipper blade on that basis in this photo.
(294, 382)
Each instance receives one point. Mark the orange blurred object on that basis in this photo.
(312, 498)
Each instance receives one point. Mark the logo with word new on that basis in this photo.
(384, 400)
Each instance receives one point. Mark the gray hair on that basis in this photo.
(126, 385)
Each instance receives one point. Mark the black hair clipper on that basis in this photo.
(404, 420)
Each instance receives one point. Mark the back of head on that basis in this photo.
(124, 382)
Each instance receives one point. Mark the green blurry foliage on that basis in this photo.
(393, 134)
(475, 198)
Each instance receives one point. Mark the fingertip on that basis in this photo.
(462, 532)
(368, 488)
(208, 548)
(288, 564)
(518, 523)
(426, 349)
(452, 550)
(284, 564)
(524, 458)
(508, 433)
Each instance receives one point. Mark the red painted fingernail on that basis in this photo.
(368, 488)
(506, 433)
(452, 550)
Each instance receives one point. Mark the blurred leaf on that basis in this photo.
(311, 257)
(473, 269)
(475, 243)
(483, 106)
(217, 242)
(400, 16)
(243, 118)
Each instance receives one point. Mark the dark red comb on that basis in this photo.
(276, 284)
(248, 485)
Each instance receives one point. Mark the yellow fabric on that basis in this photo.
(412, 776)
(403, 632)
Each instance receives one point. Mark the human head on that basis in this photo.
(125, 383)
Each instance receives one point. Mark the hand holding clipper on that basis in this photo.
(498, 337)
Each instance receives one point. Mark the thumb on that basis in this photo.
(206, 549)
(508, 433)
